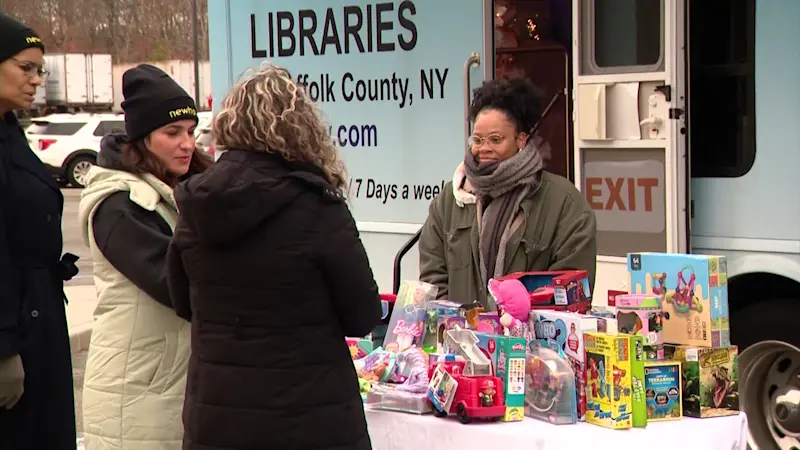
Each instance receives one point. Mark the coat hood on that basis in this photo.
(243, 190)
(107, 178)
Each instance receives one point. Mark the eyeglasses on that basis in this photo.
(493, 140)
(31, 69)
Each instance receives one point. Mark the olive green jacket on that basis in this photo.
(558, 232)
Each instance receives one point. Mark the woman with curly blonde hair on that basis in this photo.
(267, 263)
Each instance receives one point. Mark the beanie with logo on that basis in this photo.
(15, 37)
(152, 99)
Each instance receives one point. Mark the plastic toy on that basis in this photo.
(407, 322)
(489, 322)
(710, 380)
(662, 387)
(566, 290)
(434, 311)
(550, 393)
(391, 397)
(379, 365)
(615, 380)
(466, 388)
(411, 371)
(696, 310)
(641, 314)
(507, 355)
(359, 347)
(513, 305)
(563, 333)
(468, 395)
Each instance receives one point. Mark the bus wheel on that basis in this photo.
(769, 393)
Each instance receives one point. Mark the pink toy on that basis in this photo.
(513, 305)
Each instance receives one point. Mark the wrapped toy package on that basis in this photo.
(407, 323)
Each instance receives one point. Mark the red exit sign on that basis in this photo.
(620, 193)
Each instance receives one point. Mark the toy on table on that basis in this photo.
(412, 371)
(489, 322)
(710, 380)
(359, 347)
(563, 332)
(550, 394)
(392, 397)
(508, 356)
(379, 365)
(694, 294)
(364, 387)
(606, 319)
(407, 322)
(641, 314)
(662, 387)
(513, 305)
(615, 380)
(471, 312)
(435, 310)
(460, 387)
(566, 290)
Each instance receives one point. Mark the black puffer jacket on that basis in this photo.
(267, 263)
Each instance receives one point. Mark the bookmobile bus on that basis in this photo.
(676, 118)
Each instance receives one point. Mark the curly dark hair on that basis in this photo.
(519, 98)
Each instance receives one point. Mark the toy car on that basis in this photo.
(477, 397)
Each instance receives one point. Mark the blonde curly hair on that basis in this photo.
(266, 111)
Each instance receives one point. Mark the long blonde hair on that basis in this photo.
(266, 111)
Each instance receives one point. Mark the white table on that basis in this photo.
(400, 431)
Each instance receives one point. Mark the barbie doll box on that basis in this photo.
(563, 332)
(694, 295)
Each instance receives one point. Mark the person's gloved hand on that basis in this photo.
(12, 381)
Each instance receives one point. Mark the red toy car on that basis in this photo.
(477, 397)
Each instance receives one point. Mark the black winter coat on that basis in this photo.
(267, 263)
(33, 322)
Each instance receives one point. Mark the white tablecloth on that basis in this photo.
(400, 431)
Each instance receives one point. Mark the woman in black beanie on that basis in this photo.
(139, 352)
(37, 409)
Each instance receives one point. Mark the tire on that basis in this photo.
(438, 412)
(768, 320)
(461, 412)
(77, 169)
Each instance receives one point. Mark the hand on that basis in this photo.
(12, 381)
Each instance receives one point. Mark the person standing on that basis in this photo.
(37, 409)
(267, 263)
(139, 351)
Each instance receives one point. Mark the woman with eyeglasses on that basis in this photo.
(503, 212)
(37, 408)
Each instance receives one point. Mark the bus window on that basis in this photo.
(620, 36)
(721, 113)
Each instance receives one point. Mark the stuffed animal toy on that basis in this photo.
(513, 305)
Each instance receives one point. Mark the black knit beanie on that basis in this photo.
(152, 100)
(15, 37)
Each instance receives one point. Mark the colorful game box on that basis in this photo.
(710, 380)
(615, 395)
(694, 295)
(434, 311)
(359, 347)
(563, 332)
(508, 355)
(641, 314)
(489, 322)
(662, 389)
(566, 290)
(444, 324)
(407, 324)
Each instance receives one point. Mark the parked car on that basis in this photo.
(68, 143)
(203, 122)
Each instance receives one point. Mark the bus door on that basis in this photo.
(630, 152)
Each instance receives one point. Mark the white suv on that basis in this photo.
(68, 143)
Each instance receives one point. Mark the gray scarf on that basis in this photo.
(500, 187)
